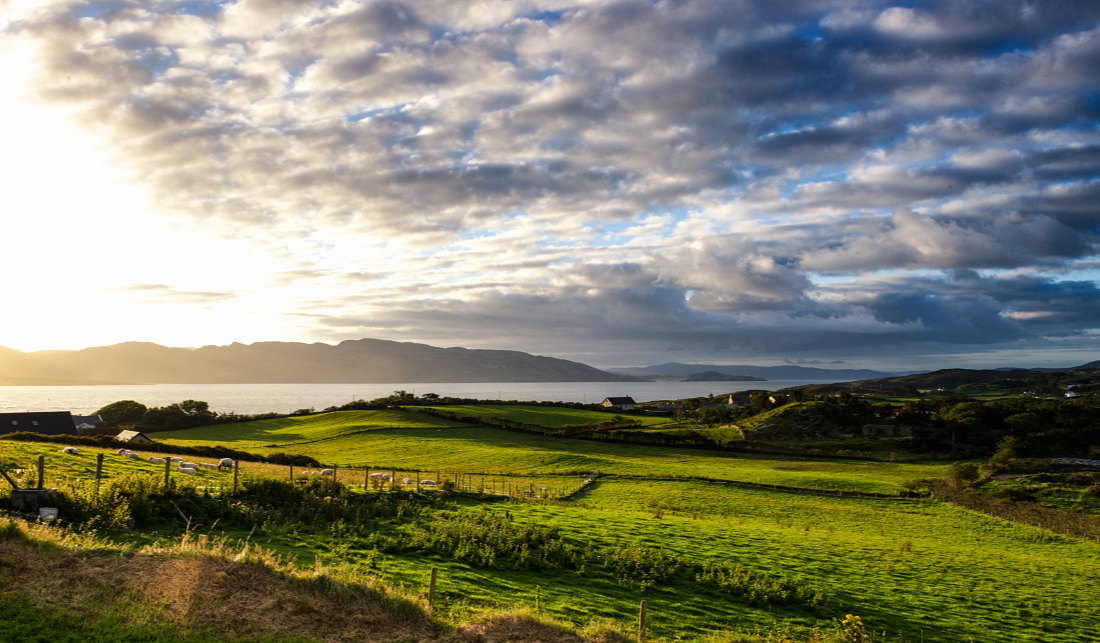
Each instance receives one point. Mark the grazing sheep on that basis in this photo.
(225, 462)
(132, 456)
(70, 450)
(153, 460)
(188, 465)
(174, 458)
(123, 452)
(427, 483)
(379, 476)
(207, 465)
(326, 472)
(188, 470)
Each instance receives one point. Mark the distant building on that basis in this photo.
(87, 423)
(44, 422)
(621, 403)
(137, 437)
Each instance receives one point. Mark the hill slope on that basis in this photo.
(364, 360)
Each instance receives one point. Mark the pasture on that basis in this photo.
(695, 533)
(357, 438)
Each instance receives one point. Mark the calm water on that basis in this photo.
(284, 398)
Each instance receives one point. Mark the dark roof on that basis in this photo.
(45, 422)
(93, 420)
(619, 401)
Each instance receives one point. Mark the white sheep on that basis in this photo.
(326, 472)
(207, 465)
(188, 465)
(427, 483)
(132, 456)
(174, 458)
(70, 450)
(153, 460)
(225, 462)
(123, 452)
(188, 470)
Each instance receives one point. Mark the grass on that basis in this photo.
(300, 430)
(492, 450)
(545, 416)
(713, 560)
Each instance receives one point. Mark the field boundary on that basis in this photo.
(836, 493)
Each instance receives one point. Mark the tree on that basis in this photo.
(122, 412)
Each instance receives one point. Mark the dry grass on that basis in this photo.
(213, 589)
(203, 587)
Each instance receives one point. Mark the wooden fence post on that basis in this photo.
(167, 472)
(431, 590)
(393, 479)
(418, 480)
(641, 622)
(41, 471)
(236, 472)
(335, 468)
(292, 473)
(98, 470)
(366, 479)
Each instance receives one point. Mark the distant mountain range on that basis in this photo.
(364, 360)
(787, 372)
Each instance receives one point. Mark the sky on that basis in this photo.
(861, 183)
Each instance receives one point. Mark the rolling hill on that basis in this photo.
(363, 360)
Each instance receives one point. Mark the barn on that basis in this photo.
(44, 422)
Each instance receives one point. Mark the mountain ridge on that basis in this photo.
(350, 361)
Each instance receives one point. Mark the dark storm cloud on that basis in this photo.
(695, 174)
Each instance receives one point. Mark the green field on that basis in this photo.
(545, 416)
(713, 557)
(357, 438)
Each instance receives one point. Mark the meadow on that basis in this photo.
(358, 438)
(714, 556)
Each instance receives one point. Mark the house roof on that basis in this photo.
(620, 400)
(126, 436)
(92, 420)
(45, 422)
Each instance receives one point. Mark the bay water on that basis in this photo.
(285, 398)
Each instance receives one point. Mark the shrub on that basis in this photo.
(757, 588)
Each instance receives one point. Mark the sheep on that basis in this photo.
(207, 465)
(132, 456)
(326, 472)
(174, 458)
(154, 460)
(225, 462)
(188, 470)
(379, 476)
(427, 483)
(188, 465)
(408, 481)
(70, 450)
(123, 452)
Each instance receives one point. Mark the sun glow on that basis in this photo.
(86, 257)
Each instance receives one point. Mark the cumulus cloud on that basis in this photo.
(696, 174)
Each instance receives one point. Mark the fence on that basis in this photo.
(54, 468)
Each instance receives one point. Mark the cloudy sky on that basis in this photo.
(618, 182)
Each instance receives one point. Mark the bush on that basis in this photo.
(759, 589)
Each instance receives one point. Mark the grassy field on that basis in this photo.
(713, 558)
(550, 417)
(343, 438)
(914, 570)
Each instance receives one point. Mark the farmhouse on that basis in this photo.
(45, 422)
(87, 423)
(137, 437)
(621, 403)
